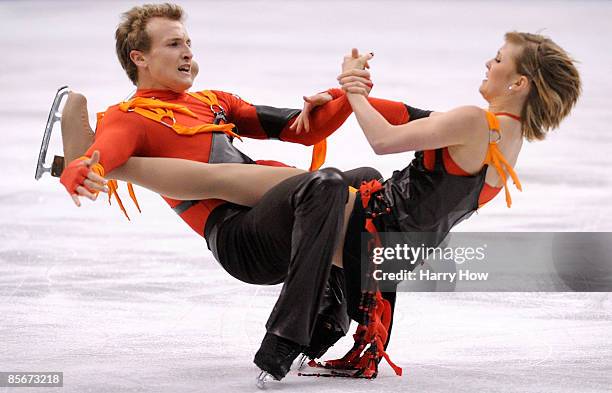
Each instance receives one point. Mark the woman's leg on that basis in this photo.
(175, 178)
(77, 134)
(353, 178)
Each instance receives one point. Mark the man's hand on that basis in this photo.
(302, 123)
(81, 181)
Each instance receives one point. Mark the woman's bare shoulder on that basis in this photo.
(468, 112)
(468, 119)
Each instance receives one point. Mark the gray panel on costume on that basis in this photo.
(223, 151)
(183, 206)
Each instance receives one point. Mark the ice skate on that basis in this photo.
(326, 333)
(332, 320)
(362, 360)
(274, 358)
(345, 367)
(54, 116)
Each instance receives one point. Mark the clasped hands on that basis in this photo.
(354, 79)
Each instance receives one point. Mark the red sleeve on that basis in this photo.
(395, 112)
(329, 117)
(324, 120)
(118, 137)
(242, 114)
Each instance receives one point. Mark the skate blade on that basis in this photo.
(327, 366)
(302, 362)
(316, 369)
(54, 116)
(330, 373)
(262, 379)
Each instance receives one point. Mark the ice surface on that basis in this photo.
(142, 306)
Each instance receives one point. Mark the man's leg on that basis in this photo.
(289, 236)
(289, 232)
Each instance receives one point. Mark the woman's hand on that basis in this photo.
(356, 82)
(355, 61)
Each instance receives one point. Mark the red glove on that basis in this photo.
(74, 175)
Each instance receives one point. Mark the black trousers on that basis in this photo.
(290, 237)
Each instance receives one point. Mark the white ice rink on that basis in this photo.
(142, 306)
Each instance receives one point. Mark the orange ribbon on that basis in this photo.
(319, 151)
(163, 112)
(495, 158)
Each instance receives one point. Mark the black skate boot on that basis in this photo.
(327, 333)
(333, 321)
(275, 357)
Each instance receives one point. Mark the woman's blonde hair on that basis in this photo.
(131, 34)
(555, 83)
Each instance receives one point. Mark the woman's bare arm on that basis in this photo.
(454, 127)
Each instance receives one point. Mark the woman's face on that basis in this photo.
(501, 73)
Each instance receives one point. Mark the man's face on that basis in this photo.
(167, 64)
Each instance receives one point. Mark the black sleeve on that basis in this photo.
(416, 113)
(273, 120)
